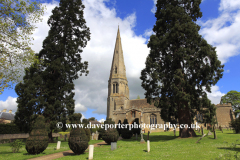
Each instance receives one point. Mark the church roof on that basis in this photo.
(7, 116)
(139, 103)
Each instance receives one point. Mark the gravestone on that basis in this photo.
(142, 140)
(202, 130)
(201, 138)
(91, 148)
(58, 144)
(148, 146)
(209, 133)
(113, 145)
(174, 131)
(136, 136)
(61, 136)
(148, 135)
(93, 135)
(65, 137)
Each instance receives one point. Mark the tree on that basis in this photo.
(17, 18)
(232, 97)
(180, 64)
(29, 99)
(67, 37)
(61, 61)
(138, 97)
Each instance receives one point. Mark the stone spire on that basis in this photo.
(118, 91)
(118, 68)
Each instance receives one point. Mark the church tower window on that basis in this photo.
(116, 88)
(113, 88)
(115, 70)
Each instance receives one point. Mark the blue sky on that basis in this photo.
(220, 26)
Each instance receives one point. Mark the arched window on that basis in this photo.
(153, 119)
(133, 114)
(114, 88)
(114, 106)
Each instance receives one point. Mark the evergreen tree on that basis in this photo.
(29, 99)
(180, 64)
(61, 61)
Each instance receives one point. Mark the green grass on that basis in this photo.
(165, 146)
(6, 151)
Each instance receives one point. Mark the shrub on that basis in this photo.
(9, 128)
(136, 130)
(102, 130)
(78, 141)
(119, 127)
(126, 133)
(110, 135)
(88, 133)
(37, 141)
(236, 124)
(16, 145)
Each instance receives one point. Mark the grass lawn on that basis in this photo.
(6, 151)
(165, 146)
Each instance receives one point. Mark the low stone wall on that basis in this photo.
(21, 136)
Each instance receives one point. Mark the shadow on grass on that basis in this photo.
(231, 149)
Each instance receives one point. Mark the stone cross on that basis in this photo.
(142, 140)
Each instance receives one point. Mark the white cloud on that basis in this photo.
(10, 103)
(154, 9)
(223, 31)
(229, 5)
(215, 95)
(80, 108)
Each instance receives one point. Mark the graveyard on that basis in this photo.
(163, 145)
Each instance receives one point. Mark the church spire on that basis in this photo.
(118, 67)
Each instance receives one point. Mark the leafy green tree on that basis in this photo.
(232, 97)
(138, 97)
(17, 18)
(180, 64)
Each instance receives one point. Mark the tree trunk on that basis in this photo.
(50, 138)
(185, 118)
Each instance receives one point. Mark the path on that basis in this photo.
(61, 154)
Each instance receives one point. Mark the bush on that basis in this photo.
(126, 133)
(78, 141)
(16, 145)
(88, 133)
(119, 127)
(235, 124)
(37, 141)
(110, 135)
(9, 128)
(102, 130)
(136, 130)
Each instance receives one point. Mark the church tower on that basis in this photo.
(118, 92)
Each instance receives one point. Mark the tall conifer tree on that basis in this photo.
(67, 37)
(180, 64)
(60, 65)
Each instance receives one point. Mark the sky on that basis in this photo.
(220, 25)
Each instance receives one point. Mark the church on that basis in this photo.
(120, 107)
